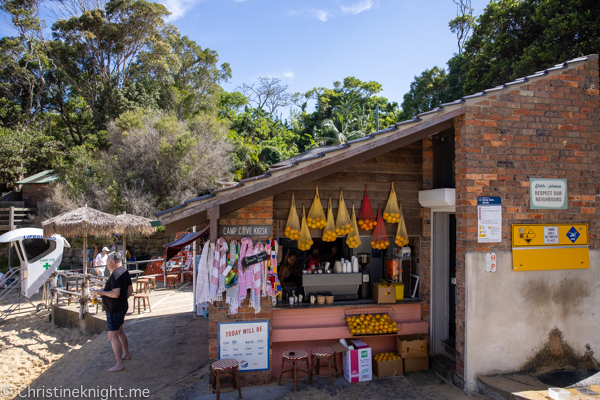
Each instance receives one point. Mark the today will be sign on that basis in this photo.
(246, 230)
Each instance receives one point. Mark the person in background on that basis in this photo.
(100, 262)
(288, 272)
(117, 290)
(314, 258)
(336, 254)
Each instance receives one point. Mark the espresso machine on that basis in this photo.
(365, 288)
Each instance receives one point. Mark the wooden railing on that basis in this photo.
(14, 217)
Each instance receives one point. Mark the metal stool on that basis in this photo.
(142, 284)
(139, 298)
(294, 356)
(322, 353)
(224, 366)
(172, 281)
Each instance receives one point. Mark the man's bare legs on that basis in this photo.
(113, 336)
(124, 344)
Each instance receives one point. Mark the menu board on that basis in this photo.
(246, 342)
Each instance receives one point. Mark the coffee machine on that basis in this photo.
(365, 288)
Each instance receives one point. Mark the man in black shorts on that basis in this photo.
(117, 290)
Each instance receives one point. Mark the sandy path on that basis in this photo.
(30, 344)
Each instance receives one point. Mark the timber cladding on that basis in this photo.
(402, 166)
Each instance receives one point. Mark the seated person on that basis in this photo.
(288, 272)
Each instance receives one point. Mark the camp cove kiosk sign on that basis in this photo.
(549, 194)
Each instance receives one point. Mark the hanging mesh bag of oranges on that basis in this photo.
(391, 213)
(353, 240)
(401, 233)
(305, 240)
(343, 225)
(292, 227)
(379, 240)
(366, 219)
(316, 215)
(329, 234)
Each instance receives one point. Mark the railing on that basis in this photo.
(12, 217)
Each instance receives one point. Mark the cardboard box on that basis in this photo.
(357, 365)
(384, 294)
(388, 368)
(411, 346)
(416, 364)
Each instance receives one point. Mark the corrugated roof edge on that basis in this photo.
(158, 214)
(35, 177)
(391, 128)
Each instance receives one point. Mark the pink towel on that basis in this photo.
(219, 264)
(256, 279)
(244, 277)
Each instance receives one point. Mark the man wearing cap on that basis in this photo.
(100, 262)
(117, 290)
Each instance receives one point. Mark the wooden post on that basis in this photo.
(11, 221)
(213, 215)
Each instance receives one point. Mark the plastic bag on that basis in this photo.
(379, 240)
(292, 227)
(305, 240)
(316, 215)
(343, 225)
(329, 234)
(353, 240)
(401, 233)
(391, 213)
(366, 219)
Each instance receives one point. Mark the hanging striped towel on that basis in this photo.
(203, 281)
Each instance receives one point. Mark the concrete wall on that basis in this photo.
(510, 315)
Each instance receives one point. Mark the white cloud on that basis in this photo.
(357, 7)
(321, 15)
(289, 74)
(178, 7)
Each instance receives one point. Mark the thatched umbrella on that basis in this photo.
(82, 221)
(130, 224)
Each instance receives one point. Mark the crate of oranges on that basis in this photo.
(387, 364)
(366, 324)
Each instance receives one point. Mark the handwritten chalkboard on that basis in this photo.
(255, 259)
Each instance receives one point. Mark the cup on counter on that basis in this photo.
(300, 298)
(338, 267)
(291, 300)
(329, 299)
(312, 299)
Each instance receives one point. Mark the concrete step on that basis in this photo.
(508, 387)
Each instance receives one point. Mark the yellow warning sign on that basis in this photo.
(549, 235)
(551, 246)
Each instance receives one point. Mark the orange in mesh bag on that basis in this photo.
(305, 240)
(366, 219)
(316, 215)
(343, 225)
(353, 240)
(401, 233)
(391, 213)
(329, 234)
(379, 240)
(292, 227)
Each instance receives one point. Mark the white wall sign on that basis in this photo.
(246, 342)
(489, 219)
(547, 193)
(490, 262)
(551, 235)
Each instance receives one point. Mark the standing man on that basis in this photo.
(117, 290)
(100, 262)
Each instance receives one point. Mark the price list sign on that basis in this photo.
(489, 219)
(246, 342)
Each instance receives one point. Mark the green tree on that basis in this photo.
(427, 91)
(464, 22)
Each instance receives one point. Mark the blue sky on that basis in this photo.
(314, 43)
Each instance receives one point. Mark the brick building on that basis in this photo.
(443, 162)
(37, 188)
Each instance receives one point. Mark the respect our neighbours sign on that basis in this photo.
(547, 194)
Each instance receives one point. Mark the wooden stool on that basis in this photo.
(188, 276)
(151, 280)
(142, 284)
(226, 365)
(172, 281)
(139, 298)
(294, 356)
(322, 353)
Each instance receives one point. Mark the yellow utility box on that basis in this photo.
(550, 246)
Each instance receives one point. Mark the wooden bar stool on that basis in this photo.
(151, 280)
(226, 365)
(142, 284)
(172, 281)
(294, 357)
(322, 353)
(139, 299)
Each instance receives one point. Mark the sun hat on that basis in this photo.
(105, 249)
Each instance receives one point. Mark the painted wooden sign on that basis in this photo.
(246, 230)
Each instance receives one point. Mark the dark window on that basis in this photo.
(37, 248)
(443, 160)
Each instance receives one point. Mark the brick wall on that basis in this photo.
(259, 213)
(547, 128)
(426, 235)
(34, 193)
